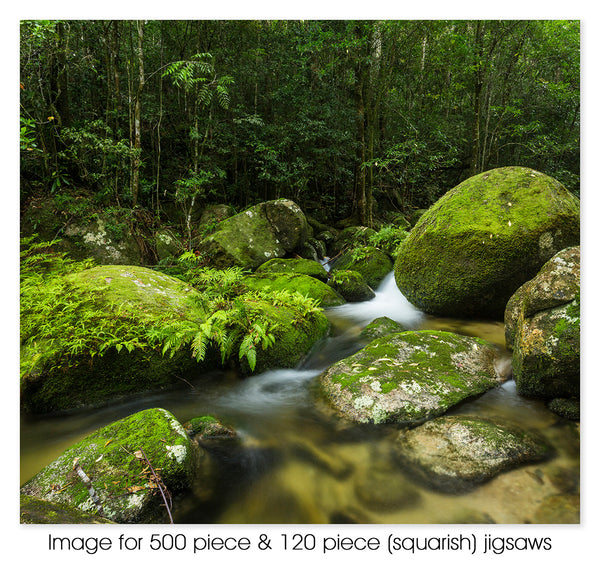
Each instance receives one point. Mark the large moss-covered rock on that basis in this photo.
(294, 266)
(453, 453)
(483, 239)
(409, 377)
(114, 459)
(117, 302)
(303, 284)
(127, 304)
(370, 262)
(268, 230)
(542, 321)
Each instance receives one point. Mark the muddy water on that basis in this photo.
(296, 464)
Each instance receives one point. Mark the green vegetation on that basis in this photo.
(65, 319)
(355, 117)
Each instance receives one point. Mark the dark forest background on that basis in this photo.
(344, 117)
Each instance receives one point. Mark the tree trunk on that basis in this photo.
(137, 117)
(475, 139)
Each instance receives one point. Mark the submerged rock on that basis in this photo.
(409, 377)
(542, 321)
(114, 460)
(268, 230)
(208, 427)
(453, 453)
(483, 239)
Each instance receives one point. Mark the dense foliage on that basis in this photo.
(340, 116)
(59, 326)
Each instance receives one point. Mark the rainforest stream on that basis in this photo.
(296, 465)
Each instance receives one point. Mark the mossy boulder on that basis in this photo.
(268, 230)
(295, 334)
(483, 239)
(370, 262)
(300, 283)
(35, 510)
(542, 321)
(168, 243)
(114, 459)
(455, 453)
(82, 230)
(409, 377)
(294, 266)
(215, 213)
(381, 326)
(350, 285)
(127, 304)
(118, 301)
(565, 408)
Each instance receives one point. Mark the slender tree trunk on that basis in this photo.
(475, 139)
(158, 132)
(137, 116)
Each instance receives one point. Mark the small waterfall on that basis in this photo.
(388, 302)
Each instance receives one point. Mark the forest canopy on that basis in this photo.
(340, 116)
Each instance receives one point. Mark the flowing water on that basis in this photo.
(297, 464)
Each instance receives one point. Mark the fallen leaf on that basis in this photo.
(134, 489)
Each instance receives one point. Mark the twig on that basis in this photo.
(186, 381)
(158, 480)
(88, 483)
(338, 254)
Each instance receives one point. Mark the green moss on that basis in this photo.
(370, 262)
(108, 457)
(381, 326)
(248, 239)
(95, 326)
(482, 240)
(425, 371)
(300, 283)
(294, 266)
(38, 511)
(294, 335)
(208, 426)
(350, 285)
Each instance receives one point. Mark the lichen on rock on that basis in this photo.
(118, 473)
(542, 321)
(409, 377)
(454, 453)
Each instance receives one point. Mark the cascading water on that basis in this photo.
(297, 464)
(388, 302)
